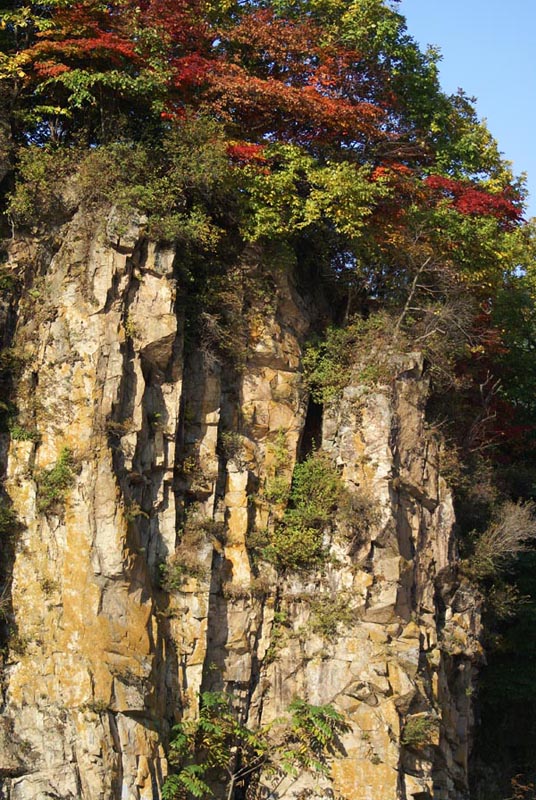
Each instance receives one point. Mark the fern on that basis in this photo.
(218, 742)
(191, 779)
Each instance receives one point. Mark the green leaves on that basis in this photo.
(297, 539)
(295, 192)
(54, 483)
(37, 200)
(218, 743)
(316, 727)
(8, 521)
(190, 779)
(184, 185)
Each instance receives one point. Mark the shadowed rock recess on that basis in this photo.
(147, 498)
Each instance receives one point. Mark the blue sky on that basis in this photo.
(489, 50)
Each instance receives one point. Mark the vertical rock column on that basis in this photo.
(100, 342)
(270, 409)
(364, 633)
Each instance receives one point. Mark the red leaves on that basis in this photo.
(276, 77)
(50, 69)
(105, 45)
(245, 152)
(191, 70)
(469, 199)
(83, 34)
(267, 76)
(115, 29)
(181, 21)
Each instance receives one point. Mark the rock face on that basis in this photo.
(167, 452)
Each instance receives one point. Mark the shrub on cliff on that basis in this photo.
(8, 520)
(218, 748)
(296, 541)
(512, 531)
(54, 483)
(362, 350)
(419, 731)
(190, 557)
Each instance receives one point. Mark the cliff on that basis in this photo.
(148, 474)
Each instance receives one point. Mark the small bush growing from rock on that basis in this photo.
(316, 487)
(509, 534)
(20, 433)
(119, 428)
(357, 512)
(54, 483)
(5, 605)
(314, 497)
(329, 613)
(133, 510)
(188, 560)
(95, 706)
(419, 731)
(277, 488)
(183, 564)
(18, 643)
(232, 449)
(8, 520)
(365, 345)
(297, 540)
(295, 545)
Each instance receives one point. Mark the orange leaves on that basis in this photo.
(79, 35)
(276, 76)
(263, 105)
(269, 77)
(392, 172)
(50, 69)
(105, 45)
(272, 44)
(246, 153)
(292, 113)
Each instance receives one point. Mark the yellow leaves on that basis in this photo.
(21, 18)
(298, 192)
(219, 6)
(13, 66)
(344, 194)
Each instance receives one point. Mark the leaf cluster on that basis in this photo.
(419, 731)
(54, 483)
(8, 520)
(182, 185)
(218, 746)
(364, 347)
(511, 532)
(189, 558)
(297, 540)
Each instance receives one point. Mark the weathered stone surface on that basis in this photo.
(105, 658)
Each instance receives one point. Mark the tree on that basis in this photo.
(83, 66)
